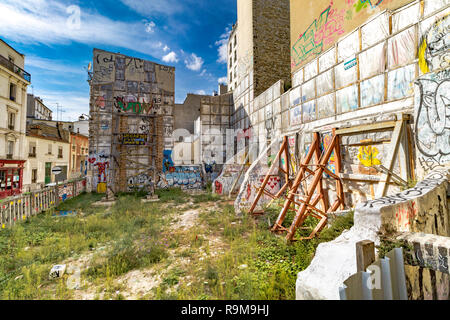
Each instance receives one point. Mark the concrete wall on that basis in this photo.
(423, 208)
(129, 96)
(364, 78)
(185, 114)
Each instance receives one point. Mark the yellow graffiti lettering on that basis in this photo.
(368, 156)
(422, 61)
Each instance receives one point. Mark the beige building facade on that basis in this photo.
(47, 149)
(13, 110)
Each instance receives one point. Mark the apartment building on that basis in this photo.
(48, 148)
(14, 81)
(36, 109)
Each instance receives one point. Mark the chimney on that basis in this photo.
(35, 129)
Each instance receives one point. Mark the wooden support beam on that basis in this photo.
(275, 163)
(384, 179)
(366, 127)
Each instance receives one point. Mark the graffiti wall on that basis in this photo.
(432, 131)
(432, 96)
(254, 177)
(131, 113)
(434, 46)
(98, 165)
(319, 24)
(230, 173)
(184, 177)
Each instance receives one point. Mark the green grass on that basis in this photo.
(246, 262)
(257, 264)
(30, 249)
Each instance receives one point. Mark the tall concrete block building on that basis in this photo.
(131, 122)
(258, 53)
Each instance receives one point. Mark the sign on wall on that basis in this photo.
(134, 139)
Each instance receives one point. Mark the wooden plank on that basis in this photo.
(367, 127)
(403, 155)
(365, 254)
(381, 190)
(359, 177)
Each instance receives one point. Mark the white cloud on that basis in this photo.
(150, 7)
(201, 92)
(222, 45)
(222, 80)
(193, 62)
(171, 57)
(53, 65)
(150, 27)
(166, 48)
(73, 104)
(45, 22)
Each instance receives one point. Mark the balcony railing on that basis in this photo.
(12, 67)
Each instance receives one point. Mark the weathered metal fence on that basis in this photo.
(20, 208)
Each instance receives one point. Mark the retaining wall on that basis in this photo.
(423, 208)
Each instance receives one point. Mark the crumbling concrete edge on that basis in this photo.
(335, 261)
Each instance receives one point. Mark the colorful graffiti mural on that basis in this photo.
(168, 165)
(368, 156)
(325, 28)
(184, 177)
(140, 182)
(326, 142)
(328, 27)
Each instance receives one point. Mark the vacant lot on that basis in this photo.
(182, 247)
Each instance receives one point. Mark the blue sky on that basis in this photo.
(58, 42)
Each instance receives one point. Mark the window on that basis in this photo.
(12, 92)
(60, 152)
(231, 77)
(34, 176)
(235, 40)
(235, 56)
(32, 150)
(73, 162)
(49, 148)
(10, 151)
(11, 59)
(11, 120)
